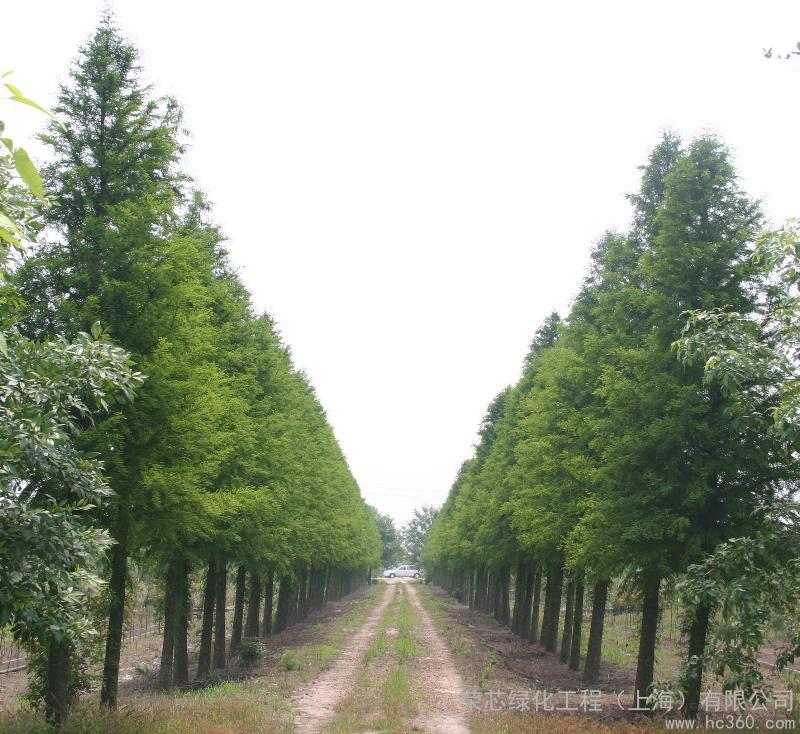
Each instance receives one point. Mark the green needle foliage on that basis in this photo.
(226, 457)
(610, 457)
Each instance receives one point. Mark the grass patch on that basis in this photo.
(320, 653)
(397, 700)
(405, 619)
(406, 649)
(224, 709)
(290, 660)
(254, 706)
(377, 649)
(486, 673)
(460, 649)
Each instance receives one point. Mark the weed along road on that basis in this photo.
(395, 674)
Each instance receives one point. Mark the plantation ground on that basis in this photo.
(504, 675)
(397, 657)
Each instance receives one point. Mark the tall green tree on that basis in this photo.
(50, 555)
(751, 358)
(625, 462)
(392, 551)
(412, 535)
(675, 477)
(117, 252)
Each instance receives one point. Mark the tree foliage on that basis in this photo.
(609, 457)
(392, 553)
(412, 534)
(226, 456)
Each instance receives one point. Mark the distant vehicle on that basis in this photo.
(400, 571)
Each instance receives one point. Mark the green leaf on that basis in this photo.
(97, 330)
(28, 172)
(8, 237)
(3, 344)
(17, 96)
(8, 224)
(6, 73)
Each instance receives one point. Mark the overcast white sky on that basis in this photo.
(410, 187)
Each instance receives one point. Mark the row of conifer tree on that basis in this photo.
(612, 457)
(224, 465)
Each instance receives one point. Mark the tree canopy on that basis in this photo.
(611, 457)
(226, 456)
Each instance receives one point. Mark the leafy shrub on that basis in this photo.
(290, 660)
(251, 650)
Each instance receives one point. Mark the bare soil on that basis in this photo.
(517, 661)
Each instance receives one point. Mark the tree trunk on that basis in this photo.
(693, 677)
(497, 595)
(302, 594)
(536, 604)
(282, 613)
(591, 668)
(551, 644)
(238, 610)
(566, 636)
(293, 602)
(314, 588)
(527, 598)
(321, 574)
(183, 601)
(480, 602)
(269, 591)
(577, 626)
(519, 598)
(647, 638)
(116, 616)
(505, 608)
(204, 657)
(253, 607)
(332, 591)
(57, 694)
(326, 581)
(168, 638)
(548, 601)
(220, 593)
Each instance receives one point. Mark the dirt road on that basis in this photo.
(316, 704)
(440, 709)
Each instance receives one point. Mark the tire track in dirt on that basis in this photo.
(316, 706)
(442, 704)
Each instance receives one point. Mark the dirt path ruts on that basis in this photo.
(316, 704)
(442, 709)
